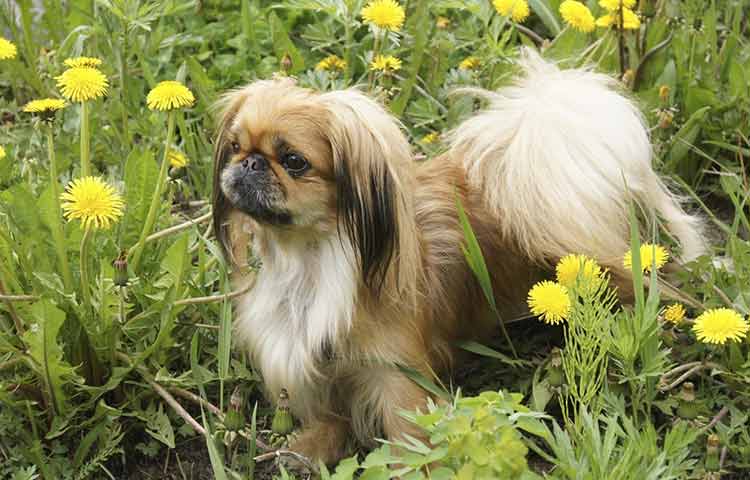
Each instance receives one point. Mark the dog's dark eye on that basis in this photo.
(235, 147)
(294, 163)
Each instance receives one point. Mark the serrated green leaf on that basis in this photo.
(159, 426)
(41, 339)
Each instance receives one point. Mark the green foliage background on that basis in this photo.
(80, 384)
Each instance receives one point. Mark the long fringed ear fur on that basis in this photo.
(371, 163)
(227, 106)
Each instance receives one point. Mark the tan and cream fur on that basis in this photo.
(362, 269)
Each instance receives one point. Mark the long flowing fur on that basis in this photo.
(558, 157)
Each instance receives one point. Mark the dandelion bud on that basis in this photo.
(665, 119)
(121, 270)
(283, 423)
(712, 453)
(664, 93)
(627, 77)
(554, 368)
(286, 64)
(687, 407)
(235, 419)
(442, 23)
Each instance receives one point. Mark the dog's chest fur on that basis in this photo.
(302, 304)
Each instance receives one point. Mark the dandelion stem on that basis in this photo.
(58, 234)
(85, 141)
(155, 200)
(84, 263)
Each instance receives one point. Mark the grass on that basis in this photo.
(95, 376)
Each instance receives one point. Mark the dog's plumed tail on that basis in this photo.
(558, 156)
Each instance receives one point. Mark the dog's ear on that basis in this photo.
(227, 107)
(371, 165)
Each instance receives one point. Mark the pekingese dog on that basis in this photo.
(362, 268)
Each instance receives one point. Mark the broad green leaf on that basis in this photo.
(550, 19)
(345, 469)
(141, 173)
(41, 339)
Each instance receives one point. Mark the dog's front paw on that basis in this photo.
(321, 442)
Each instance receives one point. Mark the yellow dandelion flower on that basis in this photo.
(577, 15)
(469, 63)
(331, 62)
(385, 64)
(93, 201)
(81, 84)
(630, 19)
(8, 50)
(45, 107)
(82, 62)
(431, 137)
(674, 313)
(2, 152)
(169, 95)
(650, 254)
(386, 14)
(177, 159)
(549, 301)
(719, 325)
(615, 4)
(579, 269)
(517, 9)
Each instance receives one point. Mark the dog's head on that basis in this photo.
(313, 165)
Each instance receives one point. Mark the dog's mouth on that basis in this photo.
(256, 197)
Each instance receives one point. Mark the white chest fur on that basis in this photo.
(303, 301)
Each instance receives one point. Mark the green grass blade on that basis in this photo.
(475, 259)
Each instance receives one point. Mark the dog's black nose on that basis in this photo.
(256, 162)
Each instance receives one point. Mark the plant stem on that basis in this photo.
(84, 262)
(11, 311)
(215, 298)
(58, 234)
(85, 141)
(178, 228)
(155, 200)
